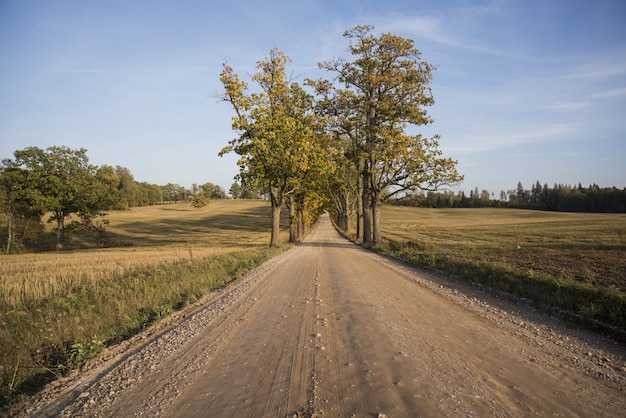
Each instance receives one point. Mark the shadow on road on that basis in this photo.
(328, 244)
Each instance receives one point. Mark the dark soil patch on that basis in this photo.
(606, 268)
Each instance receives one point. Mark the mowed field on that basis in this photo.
(587, 247)
(574, 261)
(60, 309)
(141, 238)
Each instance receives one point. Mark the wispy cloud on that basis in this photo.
(604, 63)
(575, 105)
(612, 93)
(431, 28)
(593, 99)
(481, 141)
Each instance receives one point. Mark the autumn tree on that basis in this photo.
(21, 219)
(61, 181)
(342, 191)
(337, 112)
(380, 94)
(275, 137)
(306, 196)
(198, 196)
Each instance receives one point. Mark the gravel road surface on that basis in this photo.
(329, 329)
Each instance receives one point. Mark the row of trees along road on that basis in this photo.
(347, 145)
(351, 145)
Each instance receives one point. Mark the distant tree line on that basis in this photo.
(60, 182)
(560, 197)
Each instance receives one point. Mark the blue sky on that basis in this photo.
(525, 90)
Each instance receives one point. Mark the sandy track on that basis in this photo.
(330, 329)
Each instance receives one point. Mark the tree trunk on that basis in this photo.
(376, 231)
(275, 237)
(293, 221)
(277, 201)
(302, 232)
(9, 232)
(359, 205)
(366, 200)
(60, 230)
(345, 216)
(367, 217)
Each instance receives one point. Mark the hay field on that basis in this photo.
(58, 310)
(572, 261)
(148, 237)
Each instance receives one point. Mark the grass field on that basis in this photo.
(60, 309)
(574, 261)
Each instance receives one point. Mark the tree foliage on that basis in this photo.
(60, 181)
(241, 191)
(22, 221)
(560, 197)
(373, 100)
(275, 139)
(352, 146)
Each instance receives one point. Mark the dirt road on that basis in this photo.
(328, 329)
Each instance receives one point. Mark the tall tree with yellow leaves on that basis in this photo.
(380, 93)
(276, 138)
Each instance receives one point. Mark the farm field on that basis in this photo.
(141, 238)
(330, 329)
(575, 261)
(59, 309)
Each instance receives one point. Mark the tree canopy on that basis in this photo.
(369, 105)
(352, 144)
(60, 181)
(276, 141)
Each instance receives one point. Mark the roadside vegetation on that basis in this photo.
(60, 310)
(571, 261)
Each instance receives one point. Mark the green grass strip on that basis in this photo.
(602, 304)
(46, 340)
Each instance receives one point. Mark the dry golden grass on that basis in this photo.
(151, 236)
(221, 224)
(59, 309)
